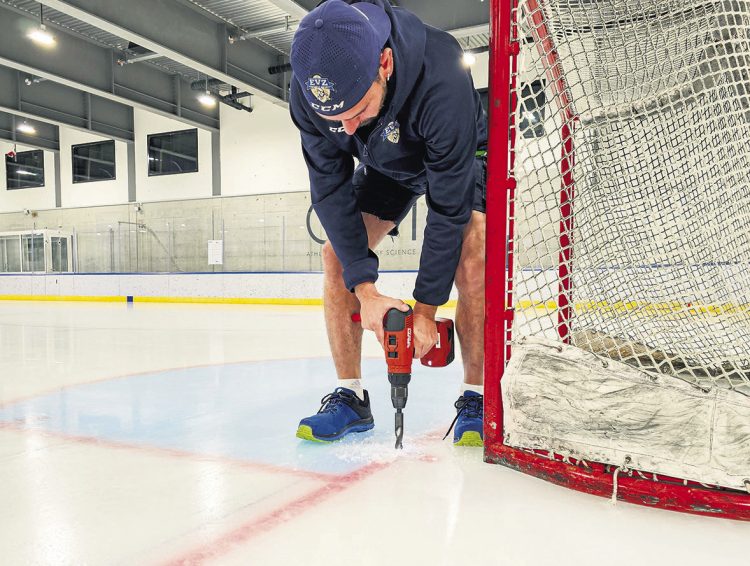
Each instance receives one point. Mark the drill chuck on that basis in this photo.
(399, 396)
(399, 389)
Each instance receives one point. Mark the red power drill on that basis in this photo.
(398, 342)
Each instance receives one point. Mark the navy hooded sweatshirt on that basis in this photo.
(441, 125)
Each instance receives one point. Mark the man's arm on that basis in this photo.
(448, 125)
(335, 203)
(333, 198)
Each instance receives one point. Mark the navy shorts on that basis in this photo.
(385, 198)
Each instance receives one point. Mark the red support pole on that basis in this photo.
(564, 308)
(500, 187)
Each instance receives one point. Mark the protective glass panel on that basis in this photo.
(59, 254)
(32, 246)
(10, 254)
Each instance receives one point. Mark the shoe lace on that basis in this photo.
(472, 407)
(331, 402)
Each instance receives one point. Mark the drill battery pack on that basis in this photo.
(443, 352)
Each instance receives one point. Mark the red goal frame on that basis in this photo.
(597, 479)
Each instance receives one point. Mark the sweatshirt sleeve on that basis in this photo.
(448, 124)
(333, 199)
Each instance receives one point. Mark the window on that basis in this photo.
(94, 162)
(532, 109)
(530, 106)
(32, 250)
(26, 171)
(173, 153)
(10, 254)
(484, 95)
(59, 249)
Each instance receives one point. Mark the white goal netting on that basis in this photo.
(631, 238)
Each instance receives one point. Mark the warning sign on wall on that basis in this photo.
(215, 252)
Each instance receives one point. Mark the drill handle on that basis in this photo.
(398, 340)
(396, 320)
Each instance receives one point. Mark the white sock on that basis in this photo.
(475, 388)
(353, 385)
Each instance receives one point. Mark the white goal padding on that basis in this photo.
(574, 403)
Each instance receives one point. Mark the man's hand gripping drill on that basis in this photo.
(398, 344)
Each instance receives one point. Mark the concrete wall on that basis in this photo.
(261, 233)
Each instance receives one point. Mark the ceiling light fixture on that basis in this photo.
(469, 59)
(40, 35)
(207, 99)
(26, 128)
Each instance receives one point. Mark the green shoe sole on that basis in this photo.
(305, 433)
(470, 438)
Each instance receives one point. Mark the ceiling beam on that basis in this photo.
(480, 15)
(47, 136)
(468, 31)
(426, 9)
(295, 10)
(83, 66)
(449, 14)
(60, 105)
(184, 35)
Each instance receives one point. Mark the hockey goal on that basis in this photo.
(618, 266)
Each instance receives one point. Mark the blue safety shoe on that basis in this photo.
(469, 420)
(340, 413)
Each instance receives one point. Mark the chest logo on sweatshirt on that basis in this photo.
(392, 133)
(320, 87)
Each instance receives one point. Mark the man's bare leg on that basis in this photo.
(345, 336)
(470, 306)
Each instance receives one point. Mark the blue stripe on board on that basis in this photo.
(185, 273)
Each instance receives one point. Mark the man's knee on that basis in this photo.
(470, 275)
(331, 263)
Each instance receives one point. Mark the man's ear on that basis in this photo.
(386, 62)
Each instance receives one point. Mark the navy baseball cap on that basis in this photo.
(336, 53)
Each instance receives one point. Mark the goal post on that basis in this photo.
(617, 332)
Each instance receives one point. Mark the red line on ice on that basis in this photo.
(251, 529)
(226, 543)
(170, 452)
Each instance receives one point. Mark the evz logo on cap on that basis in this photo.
(320, 87)
(392, 133)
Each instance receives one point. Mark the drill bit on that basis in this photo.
(399, 429)
(399, 394)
